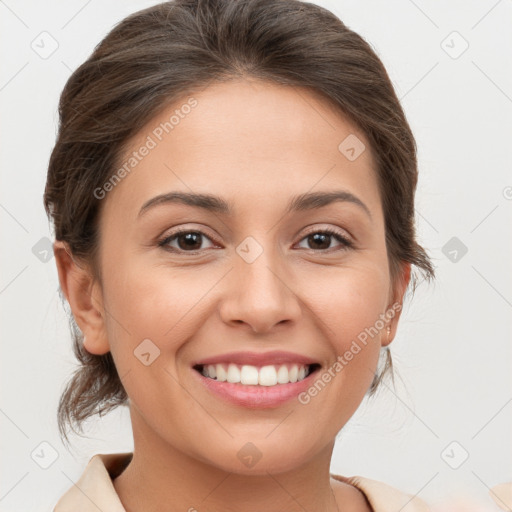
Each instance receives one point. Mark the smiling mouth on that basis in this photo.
(249, 375)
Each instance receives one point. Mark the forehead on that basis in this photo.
(245, 139)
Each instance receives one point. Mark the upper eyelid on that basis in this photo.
(203, 230)
(315, 229)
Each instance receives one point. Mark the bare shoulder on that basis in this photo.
(349, 497)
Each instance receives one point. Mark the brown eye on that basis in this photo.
(187, 241)
(321, 240)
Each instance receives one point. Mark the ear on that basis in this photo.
(83, 294)
(395, 306)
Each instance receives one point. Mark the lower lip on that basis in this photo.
(258, 397)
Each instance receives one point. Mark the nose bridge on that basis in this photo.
(262, 296)
(259, 267)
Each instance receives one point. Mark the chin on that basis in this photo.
(264, 454)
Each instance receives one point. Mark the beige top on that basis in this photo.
(95, 491)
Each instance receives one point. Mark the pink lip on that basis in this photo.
(257, 359)
(256, 397)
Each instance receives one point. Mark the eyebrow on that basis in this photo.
(216, 204)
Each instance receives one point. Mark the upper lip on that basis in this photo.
(257, 358)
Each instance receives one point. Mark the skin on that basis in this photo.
(255, 144)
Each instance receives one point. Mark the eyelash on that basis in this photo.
(346, 243)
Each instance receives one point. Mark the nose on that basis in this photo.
(260, 294)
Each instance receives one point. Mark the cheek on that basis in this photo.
(358, 318)
(349, 301)
(149, 318)
(348, 306)
(153, 303)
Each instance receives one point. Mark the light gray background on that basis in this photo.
(453, 347)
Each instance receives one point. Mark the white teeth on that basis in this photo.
(249, 375)
(221, 373)
(267, 376)
(233, 373)
(282, 375)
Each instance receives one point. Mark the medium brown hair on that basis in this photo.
(154, 57)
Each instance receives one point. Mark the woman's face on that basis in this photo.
(252, 275)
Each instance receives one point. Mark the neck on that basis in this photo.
(161, 476)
